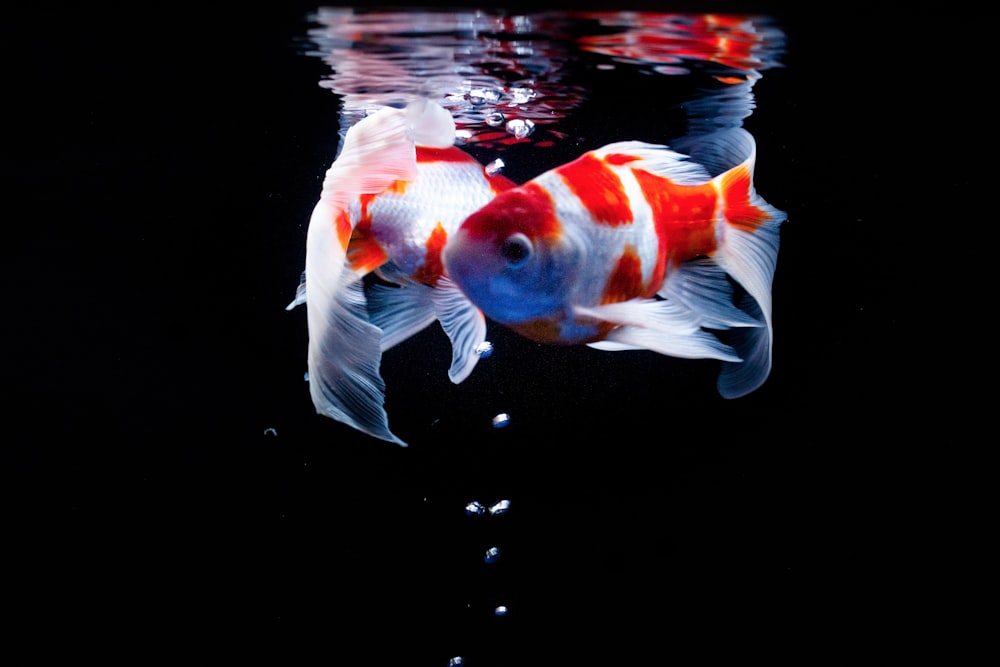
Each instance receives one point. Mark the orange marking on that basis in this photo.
(540, 330)
(684, 219)
(625, 281)
(740, 213)
(549, 330)
(618, 159)
(342, 224)
(364, 253)
(432, 269)
(599, 189)
(366, 202)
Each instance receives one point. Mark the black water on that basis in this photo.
(166, 162)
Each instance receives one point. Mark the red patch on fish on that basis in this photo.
(527, 209)
(499, 183)
(740, 212)
(364, 253)
(599, 189)
(450, 154)
(618, 159)
(684, 218)
(432, 269)
(625, 281)
(366, 200)
(342, 223)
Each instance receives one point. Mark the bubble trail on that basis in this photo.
(499, 507)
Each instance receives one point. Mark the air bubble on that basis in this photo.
(492, 554)
(480, 96)
(494, 119)
(485, 348)
(500, 610)
(499, 507)
(501, 420)
(494, 167)
(521, 95)
(520, 128)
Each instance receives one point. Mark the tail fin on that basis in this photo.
(380, 149)
(749, 254)
(344, 347)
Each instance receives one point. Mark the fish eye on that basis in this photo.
(516, 249)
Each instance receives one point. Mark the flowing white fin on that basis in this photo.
(344, 347)
(750, 259)
(659, 160)
(748, 252)
(344, 351)
(464, 324)
(660, 326)
(404, 311)
(702, 287)
(380, 149)
(300, 293)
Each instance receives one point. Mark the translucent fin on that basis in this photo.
(464, 324)
(697, 345)
(344, 347)
(717, 151)
(660, 161)
(344, 359)
(749, 253)
(754, 346)
(660, 326)
(404, 311)
(400, 312)
(380, 149)
(300, 293)
(429, 124)
(702, 287)
(609, 346)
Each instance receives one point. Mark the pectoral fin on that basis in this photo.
(406, 310)
(660, 326)
(464, 324)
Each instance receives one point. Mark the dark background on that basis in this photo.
(161, 164)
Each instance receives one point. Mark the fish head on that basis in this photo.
(513, 258)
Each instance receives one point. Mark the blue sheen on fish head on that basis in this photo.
(512, 259)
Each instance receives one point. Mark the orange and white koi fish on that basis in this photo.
(629, 247)
(389, 201)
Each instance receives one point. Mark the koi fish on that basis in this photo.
(389, 201)
(632, 246)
